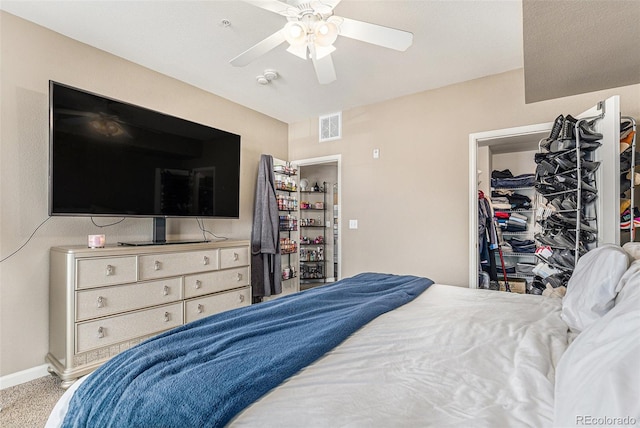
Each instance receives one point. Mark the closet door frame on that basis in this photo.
(519, 136)
(607, 176)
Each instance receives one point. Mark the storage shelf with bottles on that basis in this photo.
(288, 246)
(287, 200)
(312, 247)
(288, 223)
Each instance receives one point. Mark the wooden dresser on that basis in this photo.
(105, 300)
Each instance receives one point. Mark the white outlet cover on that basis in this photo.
(353, 224)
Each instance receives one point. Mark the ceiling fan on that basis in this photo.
(311, 30)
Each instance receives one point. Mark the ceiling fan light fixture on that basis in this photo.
(326, 33)
(295, 33)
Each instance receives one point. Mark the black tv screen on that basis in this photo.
(111, 158)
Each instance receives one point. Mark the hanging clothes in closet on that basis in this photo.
(487, 237)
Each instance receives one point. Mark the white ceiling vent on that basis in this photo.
(330, 127)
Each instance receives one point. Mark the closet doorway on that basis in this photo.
(325, 173)
(483, 144)
(511, 148)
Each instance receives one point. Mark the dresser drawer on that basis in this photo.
(107, 331)
(162, 265)
(100, 271)
(99, 302)
(212, 282)
(234, 257)
(221, 302)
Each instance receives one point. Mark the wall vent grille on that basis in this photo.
(330, 127)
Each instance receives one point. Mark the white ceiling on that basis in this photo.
(454, 41)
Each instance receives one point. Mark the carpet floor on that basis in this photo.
(29, 404)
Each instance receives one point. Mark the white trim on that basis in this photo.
(24, 376)
(329, 159)
(484, 138)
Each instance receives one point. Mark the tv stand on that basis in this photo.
(160, 236)
(147, 243)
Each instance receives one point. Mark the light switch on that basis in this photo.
(353, 224)
(376, 153)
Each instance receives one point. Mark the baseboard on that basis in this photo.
(24, 376)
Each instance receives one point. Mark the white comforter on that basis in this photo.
(452, 357)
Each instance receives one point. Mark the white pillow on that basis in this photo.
(598, 377)
(633, 249)
(591, 290)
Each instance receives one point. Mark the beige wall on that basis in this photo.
(31, 55)
(412, 203)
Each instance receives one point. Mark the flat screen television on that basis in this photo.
(112, 158)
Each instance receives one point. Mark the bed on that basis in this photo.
(444, 356)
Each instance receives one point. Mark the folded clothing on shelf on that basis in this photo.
(522, 245)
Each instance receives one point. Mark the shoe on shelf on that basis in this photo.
(568, 129)
(591, 166)
(564, 163)
(563, 241)
(625, 124)
(627, 176)
(545, 143)
(556, 128)
(556, 204)
(588, 134)
(624, 205)
(588, 237)
(590, 146)
(623, 146)
(568, 204)
(556, 260)
(628, 139)
(544, 239)
(572, 183)
(588, 197)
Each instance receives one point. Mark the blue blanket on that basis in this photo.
(204, 373)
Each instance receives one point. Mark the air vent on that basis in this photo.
(330, 127)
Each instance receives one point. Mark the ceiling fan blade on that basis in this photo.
(376, 34)
(259, 49)
(324, 7)
(324, 69)
(271, 5)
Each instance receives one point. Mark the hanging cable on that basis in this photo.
(205, 231)
(107, 225)
(28, 239)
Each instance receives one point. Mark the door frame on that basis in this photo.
(324, 160)
(497, 137)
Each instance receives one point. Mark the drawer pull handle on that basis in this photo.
(200, 309)
(109, 270)
(205, 260)
(239, 277)
(242, 298)
(166, 290)
(235, 257)
(101, 301)
(198, 283)
(157, 265)
(100, 332)
(167, 317)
